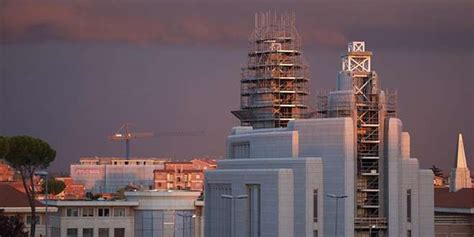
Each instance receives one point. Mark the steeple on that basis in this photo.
(460, 176)
(460, 155)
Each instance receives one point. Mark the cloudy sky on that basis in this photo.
(71, 72)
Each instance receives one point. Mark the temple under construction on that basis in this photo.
(274, 80)
(348, 172)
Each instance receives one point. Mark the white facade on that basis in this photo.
(281, 193)
(94, 218)
(333, 140)
(142, 214)
(165, 214)
(362, 155)
(107, 175)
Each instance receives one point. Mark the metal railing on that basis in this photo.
(369, 222)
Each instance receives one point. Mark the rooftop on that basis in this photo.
(464, 198)
(11, 197)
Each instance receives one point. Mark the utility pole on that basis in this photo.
(44, 176)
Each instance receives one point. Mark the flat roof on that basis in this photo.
(94, 203)
(169, 193)
(463, 198)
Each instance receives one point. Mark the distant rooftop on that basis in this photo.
(464, 198)
(122, 161)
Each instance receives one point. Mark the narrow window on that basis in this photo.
(241, 150)
(253, 192)
(103, 232)
(119, 211)
(87, 211)
(315, 205)
(408, 233)
(88, 232)
(72, 212)
(315, 233)
(409, 205)
(104, 212)
(119, 232)
(71, 232)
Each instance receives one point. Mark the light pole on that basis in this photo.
(337, 197)
(233, 199)
(44, 176)
(370, 230)
(185, 216)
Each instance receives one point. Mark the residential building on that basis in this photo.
(187, 175)
(15, 203)
(109, 174)
(350, 167)
(72, 191)
(6, 172)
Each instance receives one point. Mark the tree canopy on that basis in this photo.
(3, 147)
(437, 171)
(12, 226)
(55, 187)
(27, 155)
(26, 152)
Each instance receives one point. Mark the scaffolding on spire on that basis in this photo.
(274, 79)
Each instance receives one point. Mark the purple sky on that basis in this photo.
(71, 72)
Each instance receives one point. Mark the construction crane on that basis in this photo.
(125, 134)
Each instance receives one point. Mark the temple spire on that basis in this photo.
(460, 176)
(460, 154)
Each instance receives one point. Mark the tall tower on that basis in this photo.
(460, 176)
(274, 80)
(359, 96)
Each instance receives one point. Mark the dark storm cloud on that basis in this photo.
(405, 23)
(72, 71)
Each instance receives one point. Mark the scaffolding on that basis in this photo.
(274, 79)
(368, 106)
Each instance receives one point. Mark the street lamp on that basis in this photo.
(44, 176)
(370, 230)
(337, 197)
(185, 216)
(232, 211)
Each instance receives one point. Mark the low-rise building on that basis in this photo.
(95, 218)
(15, 203)
(186, 175)
(72, 191)
(166, 214)
(109, 174)
(454, 212)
